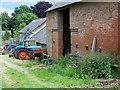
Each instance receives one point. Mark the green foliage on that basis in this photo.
(69, 71)
(0, 35)
(95, 65)
(5, 21)
(0, 20)
(18, 11)
(22, 24)
(25, 18)
(21, 17)
(16, 35)
(6, 36)
(91, 65)
(21, 9)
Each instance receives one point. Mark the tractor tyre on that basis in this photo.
(22, 54)
(15, 54)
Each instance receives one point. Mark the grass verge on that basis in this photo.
(62, 80)
(25, 63)
(22, 80)
(42, 79)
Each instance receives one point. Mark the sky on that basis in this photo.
(10, 5)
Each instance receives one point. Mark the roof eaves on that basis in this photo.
(99, 0)
(59, 5)
(64, 4)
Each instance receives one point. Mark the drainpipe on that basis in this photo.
(94, 44)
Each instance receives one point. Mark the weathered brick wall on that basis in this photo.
(119, 28)
(50, 25)
(87, 20)
(54, 34)
(98, 20)
(119, 36)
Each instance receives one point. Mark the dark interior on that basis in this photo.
(66, 32)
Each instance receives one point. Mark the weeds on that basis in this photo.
(92, 65)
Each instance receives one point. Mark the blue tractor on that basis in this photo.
(28, 50)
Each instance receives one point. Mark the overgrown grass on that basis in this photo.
(25, 63)
(4, 85)
(64, 72)
(115, 73)
(22, 80)
(43, 78)
(0, 84)
(61, 80)
(93, 65)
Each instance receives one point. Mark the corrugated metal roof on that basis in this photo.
(37, 30)
(64, 4)
(41, 36)
(32, 25)
(59, 5)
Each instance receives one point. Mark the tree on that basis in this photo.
(18, 11)
(1, 41)
(25, 17)
(21, 16)
(21, 9)
(5, 21)
(0, 22)
(16, 33)
(22, 25)
(6, 36)
(40, 8)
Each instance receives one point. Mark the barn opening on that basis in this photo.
(66, 32)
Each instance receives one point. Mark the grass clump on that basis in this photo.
(95, 65)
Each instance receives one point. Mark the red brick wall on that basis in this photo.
(119, 29)
(98, 20)
(55, 43)
(50, 20)
(54, 34)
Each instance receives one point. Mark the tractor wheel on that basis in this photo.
(15, 54)
(22, 54)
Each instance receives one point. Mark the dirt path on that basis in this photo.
(24, 71)
(5, 77)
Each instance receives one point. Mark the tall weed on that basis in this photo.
(93, 65)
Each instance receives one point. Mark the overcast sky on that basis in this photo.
(9, 5)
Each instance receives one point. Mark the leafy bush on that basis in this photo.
(93, 65)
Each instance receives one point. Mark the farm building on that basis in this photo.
(84, 26)
(36, 30)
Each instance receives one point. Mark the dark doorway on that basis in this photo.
(66, 32)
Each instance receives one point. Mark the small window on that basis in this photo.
(99, 50)
(87, 47)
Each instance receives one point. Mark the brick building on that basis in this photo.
(76, 26)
